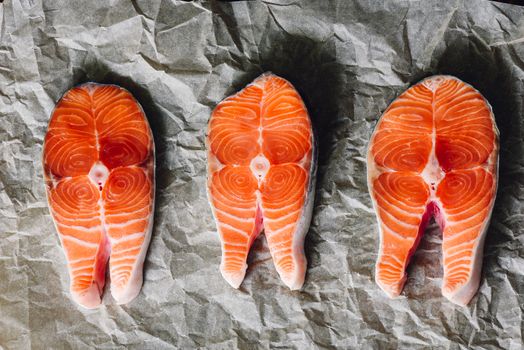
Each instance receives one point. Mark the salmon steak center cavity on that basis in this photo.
(99, 173)
(261, 175)
(434, 153)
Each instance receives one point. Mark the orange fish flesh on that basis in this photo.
(99, 172)
(261, 176)
(434, 153)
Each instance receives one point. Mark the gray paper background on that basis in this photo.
(349, 60)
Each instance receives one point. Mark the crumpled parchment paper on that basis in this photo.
(349, 60)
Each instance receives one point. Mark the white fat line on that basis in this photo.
(80, 228)
(462, 233)
(397, 268)
(387, 278)
(399, 222)
(241, 249)
(76, 261)
(258, 205)
(462, 269)
(467, 207)
(403, 211)
(460, 246)
(89, 275)
(260, 116)
(234, 244)
(283, 266)
(122, 258)
(475, 126)
(260, 140)
(128, 213)
(482, 166)
(269, 210)
(463, 211)
(381, 148)
(231, 118)
(455, 223)
(463, 96)
(119, 273)
(93, 113)
(219, 198)
(466, 261)
(452, 129)
(124, 267)
(398, 235)
(120, 279)
(103, 220)
(124, 224)
(63, 129)
(270, 232)
(232, 228)
(222, 138)
(234, 217)
(278, 250)
(215, 198)
(65, 218)
(458, 271)
(297, 124)
(126, 238)
(115, 118)
(284, 244)
(80, 242)
(272, 124)
(119, 276)
(287, 108)
(123, 251)
(282, 217)
(393, 257)
(452, 257)
(82, 267)
(414, 130)
(465, 103)
(458, 274)
(234, 261)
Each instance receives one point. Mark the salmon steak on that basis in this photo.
(99, 173)
(434, 153)
(261, 176)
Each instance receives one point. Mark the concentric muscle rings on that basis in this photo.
(404, 187)
(462, 187)
(236, 148)
(122, 151)
(112, 118)
(236, 183)
(283, 183)
(75, 196)
(406, 156)
(285, 148)
(69, 156)
(122, 186)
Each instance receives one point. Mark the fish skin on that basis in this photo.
(457, 288)
(294, 280)
(91, 296)
(303, 228)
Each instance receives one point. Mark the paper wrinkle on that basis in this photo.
(348, 60)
